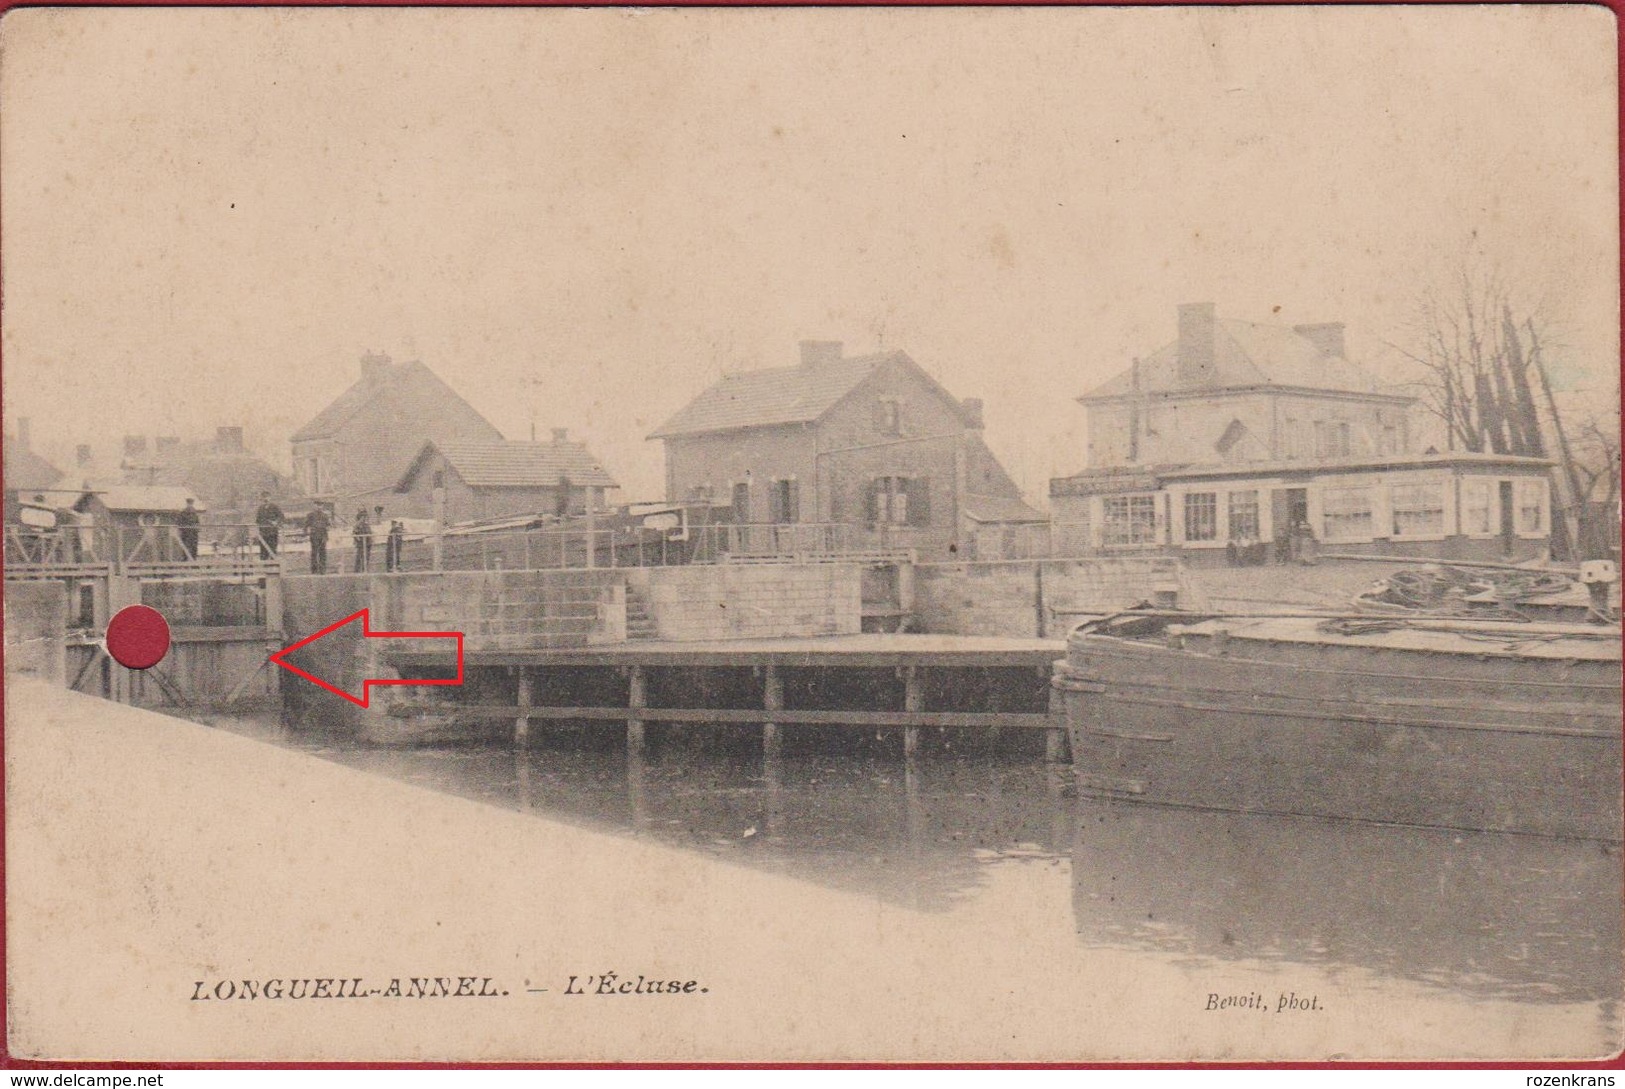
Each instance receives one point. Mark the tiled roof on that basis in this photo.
(25, 470)
(783, 395)
(1001, 508)
(504, 464)
(154, 497)
(412, 389)
(1246, 354)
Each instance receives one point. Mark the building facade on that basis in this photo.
(1236, 438)
(474, 481)
(1451, 506)
(356, 448)
(871, 444)
(1229, 392)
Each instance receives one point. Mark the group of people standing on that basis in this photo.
(363, 530)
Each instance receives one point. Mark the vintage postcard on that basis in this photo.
(1066, 534)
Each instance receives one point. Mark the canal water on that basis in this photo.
(1467, 917)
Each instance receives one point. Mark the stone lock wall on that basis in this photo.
(1032, 599)
(502, 610)
(752, 601)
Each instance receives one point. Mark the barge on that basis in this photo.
(1436, 722)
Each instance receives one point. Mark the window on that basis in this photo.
(741, 503)
(1390, 439)
(1244, 516)
(1418, 510)
(1201, 516)
(784, 502)
(1346, 514)
(1332, 439)
(1300, 437)
(1477, 510)
(900, 501)
(1531, 495)
(889, 416)
(1128, 520)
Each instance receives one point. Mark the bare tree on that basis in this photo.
(1597, 466)
(1483, 374)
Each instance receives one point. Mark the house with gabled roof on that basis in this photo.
(222, 473)
(22, 468)
(870, 443)
(482, 479)
(1228, 391)
(1238, 441)
(356, 448)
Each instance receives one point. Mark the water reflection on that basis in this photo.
(1493, 916)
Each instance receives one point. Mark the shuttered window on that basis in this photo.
(900, 501)
(784, 502)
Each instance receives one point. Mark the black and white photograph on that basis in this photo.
(805, 535)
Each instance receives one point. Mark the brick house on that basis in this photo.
(25, 470)
(221, 472)
(354, 451)
(1236, 391)
(1227, 440)
(494, 479)
(870, 443)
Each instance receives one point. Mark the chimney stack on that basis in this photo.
(374, 365)
(817, 352)
(1326, 336)
(560, 435)
(1197, 331)
(81, 455)
(228, 440)
(135, 446)
(24, 436)
(971, 407)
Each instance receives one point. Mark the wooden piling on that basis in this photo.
(637, 683)
(913, 701)
(521, 725)
(772, 700)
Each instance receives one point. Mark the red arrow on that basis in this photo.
(281, 656)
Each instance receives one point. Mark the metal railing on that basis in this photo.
(148, 550)
(621, 547)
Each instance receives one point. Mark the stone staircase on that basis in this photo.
(639, 624)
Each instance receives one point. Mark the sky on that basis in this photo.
(581, 218)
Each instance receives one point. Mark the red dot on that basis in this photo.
(138, 637)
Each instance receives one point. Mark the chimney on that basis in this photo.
(81, 455)
(166, 445)
(135, 446)
(1197, 327)
(971, 407)
(374, 365)
(560, 435)
(1326, 336)
(228, 440)
(23, 433)
(818, 352)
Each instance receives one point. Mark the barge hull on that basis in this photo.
(1174, 727)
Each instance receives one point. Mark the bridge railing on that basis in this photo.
(625, 546)
(32, 551)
